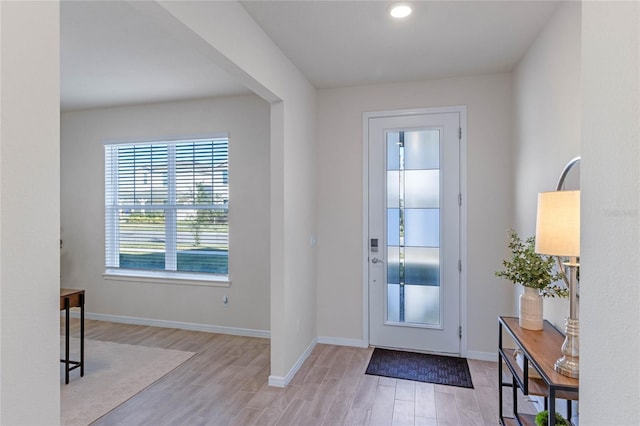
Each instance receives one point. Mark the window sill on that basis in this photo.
(160, 277)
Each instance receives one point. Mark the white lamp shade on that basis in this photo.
(558, 223)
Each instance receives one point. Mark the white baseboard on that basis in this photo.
(277, 381)
(483, 356)
(236, 331)
(340, 341)
(282, 382)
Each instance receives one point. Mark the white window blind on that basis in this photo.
(166, 206)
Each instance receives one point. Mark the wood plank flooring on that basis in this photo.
(226, 384)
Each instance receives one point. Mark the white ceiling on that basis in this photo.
(121, 53)
(356, 42)
(117, 53)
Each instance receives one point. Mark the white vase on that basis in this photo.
(531, 309)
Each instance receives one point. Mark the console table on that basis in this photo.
(72, 298)
(540, 350)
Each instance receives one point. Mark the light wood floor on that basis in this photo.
(226, 384)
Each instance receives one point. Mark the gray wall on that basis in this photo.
(610, 238)
(489, 199)
(29, 213)
(547, 123)
(256, 61)
(84, 133)
(577, 92)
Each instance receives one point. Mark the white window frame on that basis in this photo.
(111, 224)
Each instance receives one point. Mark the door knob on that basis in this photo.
(376, 260)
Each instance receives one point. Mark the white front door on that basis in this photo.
(414, 231)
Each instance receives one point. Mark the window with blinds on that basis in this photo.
(166, 206)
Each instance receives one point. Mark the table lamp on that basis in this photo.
(558, 234)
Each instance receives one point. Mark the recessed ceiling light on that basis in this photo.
(400, 10)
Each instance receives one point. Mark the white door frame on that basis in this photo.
(462, 110)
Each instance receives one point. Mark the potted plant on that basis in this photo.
(542, 419)
(535, 272)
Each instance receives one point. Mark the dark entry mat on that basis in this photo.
(442, 370)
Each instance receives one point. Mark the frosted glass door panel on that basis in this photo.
(393, 189)
(422, 266)
(393, 151)
(422, 304)
(393, 299)
(413, 226)
(422, 189)
(422, 150)
(422, 228)
(393, 265)
(393, 226)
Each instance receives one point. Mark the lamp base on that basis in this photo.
(568, 365)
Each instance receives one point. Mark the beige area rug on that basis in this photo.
(113, 373)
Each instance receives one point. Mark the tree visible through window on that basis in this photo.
(166, 206)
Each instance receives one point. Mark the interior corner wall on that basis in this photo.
(547, 122)
(610, 230)
(257, 61)
(246, 120)
(340, 193)
(29, 213)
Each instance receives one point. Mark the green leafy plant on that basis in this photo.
(542, 419)
(530, 269)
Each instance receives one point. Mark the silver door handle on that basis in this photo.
(376, 260)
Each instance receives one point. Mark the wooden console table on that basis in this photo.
(72, 298)
(540, 350)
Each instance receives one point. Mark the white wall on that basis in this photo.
(547, 122)
(610, 245)
(246, 120)
(29, 213)
(237, 43)
(577, 92)
(340, 187)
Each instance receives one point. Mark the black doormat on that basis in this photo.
(442, 370)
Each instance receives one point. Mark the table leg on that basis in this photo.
(81, 335)
(500, 372)
(500, 386)
(552, 406)
(66, 343)
(514, 395)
